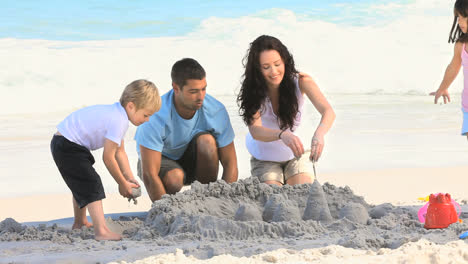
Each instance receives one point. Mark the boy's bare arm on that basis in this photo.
(228, 158)
(124, 165)
(108, 156)
(151, 164)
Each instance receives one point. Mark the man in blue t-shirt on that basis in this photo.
(187, 138)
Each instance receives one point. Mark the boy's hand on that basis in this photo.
(125, 189)
(444, 93)
(134, 181)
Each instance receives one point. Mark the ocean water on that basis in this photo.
(106, 19)
(376, 62)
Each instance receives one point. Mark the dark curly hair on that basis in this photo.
(456, 35)
(254, 89)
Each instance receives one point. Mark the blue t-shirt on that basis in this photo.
(169, 133)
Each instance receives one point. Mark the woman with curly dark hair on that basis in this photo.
(271, 100)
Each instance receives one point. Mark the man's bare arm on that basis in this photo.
(228, 158)
(150, 165)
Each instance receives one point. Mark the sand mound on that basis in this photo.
(250, 211)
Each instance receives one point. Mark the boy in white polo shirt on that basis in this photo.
(92, 128)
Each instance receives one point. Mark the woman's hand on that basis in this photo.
(316, 147)
(293, 142)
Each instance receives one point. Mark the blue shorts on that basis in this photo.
(464, 129)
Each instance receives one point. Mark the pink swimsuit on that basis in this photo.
(464, 58)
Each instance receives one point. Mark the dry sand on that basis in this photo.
(248, 222)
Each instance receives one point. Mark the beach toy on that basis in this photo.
(441, 211)
(464, 235)
(424, 199)
(423, 210)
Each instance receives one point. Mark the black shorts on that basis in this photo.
(187, 163)
(75, 163)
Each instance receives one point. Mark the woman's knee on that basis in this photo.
(273, 183)
(300, 178)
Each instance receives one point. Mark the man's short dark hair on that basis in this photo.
(186, 69)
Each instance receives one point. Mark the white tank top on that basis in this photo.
(274, 150)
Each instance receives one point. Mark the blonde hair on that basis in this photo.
(142, 93)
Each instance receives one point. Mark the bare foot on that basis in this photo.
(109, 235)
(80, 225)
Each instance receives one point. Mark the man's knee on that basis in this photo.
(206, 144)
(174, 181)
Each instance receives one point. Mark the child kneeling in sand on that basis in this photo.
(92, 128)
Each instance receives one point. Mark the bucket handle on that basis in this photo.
(457, 207)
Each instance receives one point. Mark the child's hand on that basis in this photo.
(132, 180)
(444, 93)
(293, 142)
(125, 189)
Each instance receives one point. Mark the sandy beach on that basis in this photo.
(402, 186)
(216, 229)
(375, 61)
